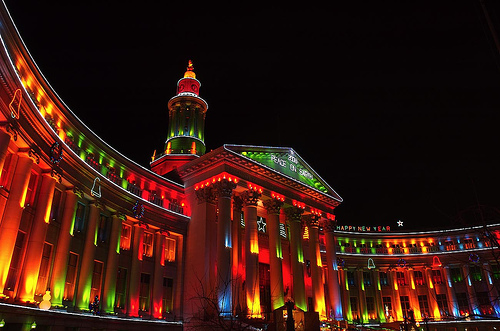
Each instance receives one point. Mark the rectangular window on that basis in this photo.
(370, 305)
(469, 243)
(384, 281)
(386, 301)
(144, 292)
(170, 250)
(463, 303)
(15, 264)
(475, 273)
(104, 229)
(419, 277)
(30, 193)
(121, 287)
(405, 304)
(79, 218)
(4, 175)
(436, 277)
(96, 280)
(147, 244)
(56, 202)
(168, 294)
(69, 288)
(125, 237)
(456, 275)
(43, 274)
(495, 271)
(400, 278)
(367, 279)
(423, 304)
(442, 304)
(484, 303)
(354, 307)
(351, 280)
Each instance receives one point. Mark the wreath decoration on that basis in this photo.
(402, 263)
(56, 153)
(474, 258)
(138, 210)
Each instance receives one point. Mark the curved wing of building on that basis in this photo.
(241, 231)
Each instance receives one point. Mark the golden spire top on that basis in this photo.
(190, 70)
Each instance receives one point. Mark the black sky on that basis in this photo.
(394, 104)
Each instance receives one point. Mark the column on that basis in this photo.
(396, 309)
(34, 250)
(87, 265)
(332, 270)
(252, 289)
(109, 292)
(294, 217)
(492, 290)
(413, 295)
(273, 207)
(363, 313)
(237, 258)
(432, 295)
(135, 272)
(316, 266)
(451, 293)
(378, 296)
(346, 302)
(224, 190)
(157, 294)
(12, 215)
(59, 269)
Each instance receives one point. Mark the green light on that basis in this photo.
(119, 240)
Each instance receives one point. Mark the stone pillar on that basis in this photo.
(109, 292)
(380, 309)
(316, 266)
(252, 289)
(34, 250)
(237, 255)
(59, 269)
(332, 269)
(87, 265)
(452, 297)
(363, 313)
(294, 217)
(135, 272)
(12, 215)
(157, 290)
(396, 309)
(432, 294)
(224, 191)
(346, 302)
(4, 146)
(414, 295)
(273, 207)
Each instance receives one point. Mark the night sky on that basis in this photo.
(395, 105)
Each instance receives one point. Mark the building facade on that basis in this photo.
(250, 227)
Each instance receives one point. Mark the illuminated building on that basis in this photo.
(253, 226)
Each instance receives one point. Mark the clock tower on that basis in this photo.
(186, 125)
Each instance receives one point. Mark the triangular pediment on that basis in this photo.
(286, 162)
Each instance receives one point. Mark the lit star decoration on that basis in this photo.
(261, 224)
(400, 223)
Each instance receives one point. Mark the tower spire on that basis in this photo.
(186, 125)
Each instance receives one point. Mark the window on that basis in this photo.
(423, 304)
(386, 301)
(436, 277)
(370, 306)
(56, 202)
(125, 237)
(484, 303)
(442, 304)
(475, 273)
(79, 223)
(367, 279)
(354, 307)
(170, 250)
(405, 304)
(30, 192)
(96, 281)
(69, 288)
(147, 244)
(463, 303)
(43, 274)
(456, 275)
(168, 294)
(469, 243)
(4, 174)
(121, 287)
(400, 278)
(419, 277)
(384, 281)
(15, 264)
(103, 230)
(495, 271)
(144, 292)
(351, 281)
